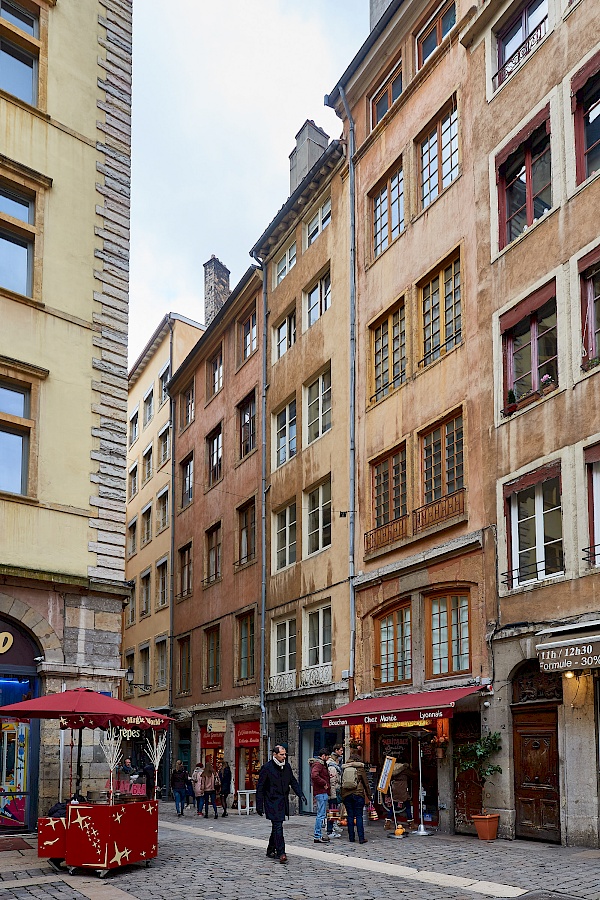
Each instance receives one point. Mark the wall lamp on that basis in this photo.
(130, 675)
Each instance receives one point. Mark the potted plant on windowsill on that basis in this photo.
(511, 403)
(590, 363)
(475, 757)
(547, 384)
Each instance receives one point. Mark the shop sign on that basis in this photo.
(216, 725)
(389, 719)
(210, 740)
(247, 734)
(126, 734)
(562, 656)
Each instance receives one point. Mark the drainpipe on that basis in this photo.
(169, 747)
(263, 511)
(352, 373)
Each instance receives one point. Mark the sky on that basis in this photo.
(220, 90)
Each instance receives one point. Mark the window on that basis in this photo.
(318, 299)
(536, 547)
(529, 334)
(215, 373)
(133, 428)
(213, 553)
(448, 650)
(163, 381)
(145, 668)
(214, 444)
(438, 155)
(388, 347)
(247, 423)
(318, 399)
(387, 94)
(524, 184)
(129, 664)
(286, 433)
(162, 509)
(318, 223)
(162, 583)
(319, 518)
(285, 334)
(247, 533)
(145, 593)
(586, 100)
(213, 657)
(187, 406)
(442, 328)
(16, 235)
(286, 536)
(285, 262)
(161, 662)
(146, 525)
(590, 309)
(185, 571)
(443, 460)
(16, 425)
(19, 60)
(148, 407)
(285, 646)
(319, 636)
(187, 480)
(246, 646)
(147, 464)
(248, 335)
(388, 212)
(164, 445)
(184, 665)
(132, 537)
(395, 649)
(131, 610)
(592, 465)
(133, 481)
(389, 488)
(520, 36)
(435, 31)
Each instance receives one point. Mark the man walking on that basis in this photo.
(273, 799)
(320, 783)
(334, 766)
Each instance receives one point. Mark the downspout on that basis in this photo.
(169, 748)
(263, 512)
(352, 373)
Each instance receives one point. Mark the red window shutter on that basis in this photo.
(527, 306)
(521, 137)
(592, 454)
(525, 481)
(589, 261)
(579, 80)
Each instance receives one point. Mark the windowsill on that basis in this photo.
(318, 438)
(132, 554)
(131, 496)
(587, 373)
(441, 194)
(162, 402)
(210, 399)
(517, 241)
(185, 427)
(181, 597)
(243, 682)
(129, 624)
(19, 498)
(145, 542)
(183, 693)
(371, 404)
(183, 508)
(527, 586)
(582, 185)
(284, 569)
(213, 485)
(386, 685)
(145, 482)
(210, 689)
(572, 5)
(436, 362)
(310, 556)
(161, 606)
(163, 463)
(239, 566)
(283, 464)
(145, 425)
(159, 530)
(375, 259)
(28, 107)
(528, 403)
(21, 298)
(208, 583)
(134, 442)
(144, 615)
(243, 459)
(243, 362)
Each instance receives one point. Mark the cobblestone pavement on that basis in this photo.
(225, 860)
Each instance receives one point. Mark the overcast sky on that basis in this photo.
(221, 87)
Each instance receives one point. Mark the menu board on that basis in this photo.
(386, 774)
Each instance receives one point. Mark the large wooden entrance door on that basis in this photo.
(537, 798)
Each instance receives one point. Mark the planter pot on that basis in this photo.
(487, 826)
(440, 752)
(509, 409)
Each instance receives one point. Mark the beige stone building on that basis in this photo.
(147, 618)
(65, 97)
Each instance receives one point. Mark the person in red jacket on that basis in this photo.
(321, 784)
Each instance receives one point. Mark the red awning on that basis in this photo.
(83, 708)
(424, 707)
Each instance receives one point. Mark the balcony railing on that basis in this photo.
(286, 681)
(215, 576)
(438, 511)
(520, 53)
(454, 341)
(592, 555)
(386, 534)
(244, 560)
(527, 574)
(316, 675)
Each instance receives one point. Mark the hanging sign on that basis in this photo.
(562, 656)
(214, 725)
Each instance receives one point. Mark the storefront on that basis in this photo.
(211, 747)
(314, 735)
(247, 755)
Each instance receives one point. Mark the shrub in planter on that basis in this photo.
(475, 757)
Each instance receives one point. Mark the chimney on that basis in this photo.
(311, 142)
(216, 287)
(377, 9)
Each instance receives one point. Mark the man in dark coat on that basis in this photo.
(273, 800)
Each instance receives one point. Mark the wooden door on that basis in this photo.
(537, 798)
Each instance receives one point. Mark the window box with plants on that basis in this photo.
(475, 758)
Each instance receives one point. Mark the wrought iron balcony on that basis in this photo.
(286, 681)
(316, 675)
(438, 511)
(386, 534)
(520, 53)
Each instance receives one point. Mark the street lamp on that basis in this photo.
(130, 675)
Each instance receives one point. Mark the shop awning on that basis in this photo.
(576, 653)
(421, 708)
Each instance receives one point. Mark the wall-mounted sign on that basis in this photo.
(16, 647)
(389, 719)
(6, 641)
(564, 656)
(216, 725)
(247, 734)
(210, 740)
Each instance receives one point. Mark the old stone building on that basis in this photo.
(64, 231)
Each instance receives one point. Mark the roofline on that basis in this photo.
(158, 334)
(333, 98)
(335, 147)
(216, 322)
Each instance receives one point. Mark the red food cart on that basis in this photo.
(103, 835)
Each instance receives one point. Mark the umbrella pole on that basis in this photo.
(78, 772)
(71, 768)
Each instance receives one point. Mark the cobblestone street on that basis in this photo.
(225, 860)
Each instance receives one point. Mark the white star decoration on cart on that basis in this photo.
(53, 822)
(119, 854)
(80, 820)
(118, 816)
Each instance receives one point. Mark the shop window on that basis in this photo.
(448, 633)
(534, 527)
(394, 647)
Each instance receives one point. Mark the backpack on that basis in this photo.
(350, 778)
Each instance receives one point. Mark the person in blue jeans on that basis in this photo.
(321, 785)
(179, 781)
(355, 793)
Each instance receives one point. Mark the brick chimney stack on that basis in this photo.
(311, 143)
(216, 287)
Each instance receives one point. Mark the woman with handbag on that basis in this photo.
(209, 790)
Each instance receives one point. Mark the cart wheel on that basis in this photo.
(71, 869)
(102, 873)
(147, 863)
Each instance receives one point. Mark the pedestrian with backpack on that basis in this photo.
(355, 793)
(321, 785)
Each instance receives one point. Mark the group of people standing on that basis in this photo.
(204, 785)
(335, 783)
